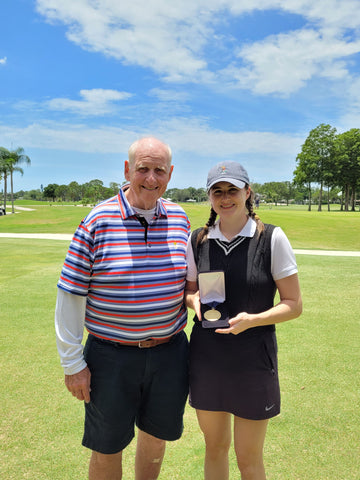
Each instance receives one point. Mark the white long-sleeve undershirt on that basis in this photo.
(69, 328)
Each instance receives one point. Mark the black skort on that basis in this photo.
(235, 373)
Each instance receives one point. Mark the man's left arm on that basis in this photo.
(69, 328)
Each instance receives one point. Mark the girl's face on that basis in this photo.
(228, 200)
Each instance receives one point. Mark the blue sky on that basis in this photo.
(242, 80)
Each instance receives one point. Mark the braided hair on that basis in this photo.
(204, 232)
(250, 207)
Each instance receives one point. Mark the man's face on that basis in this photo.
(149, 174)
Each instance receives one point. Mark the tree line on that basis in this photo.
(327, 171)
(270, 192)
(330, 160)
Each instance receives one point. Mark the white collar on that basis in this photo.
(248, 230)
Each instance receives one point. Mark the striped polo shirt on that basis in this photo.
(133, 277)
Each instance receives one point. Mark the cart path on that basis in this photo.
(68, 237)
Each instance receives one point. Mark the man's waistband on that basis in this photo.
(151, 342)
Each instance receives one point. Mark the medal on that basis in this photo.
(212, 315)
(212, 297)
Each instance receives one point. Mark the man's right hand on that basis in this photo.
(79, 384)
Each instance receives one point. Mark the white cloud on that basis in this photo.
(94, 102)
(329, 14)
(284, 63)
(76, 138)
(162, 36)
(350, 117)
(183, 134)
(199, 139)
(167, 95)
(3, 61)
(171, 38)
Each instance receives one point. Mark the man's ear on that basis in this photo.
(126, 170)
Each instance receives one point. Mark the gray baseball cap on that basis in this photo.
(228, 171)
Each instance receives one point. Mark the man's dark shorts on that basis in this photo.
(130, 385)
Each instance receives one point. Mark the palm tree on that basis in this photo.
(15, 157)
(4, 170)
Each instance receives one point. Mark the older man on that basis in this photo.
(123, 278)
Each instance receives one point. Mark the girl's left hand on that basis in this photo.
(237, 324)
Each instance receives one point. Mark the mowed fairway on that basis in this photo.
(316, 437)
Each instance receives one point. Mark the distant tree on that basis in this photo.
(172, 193)
(61, 192)
(315, 159)
(50, 191)
(304, 175)
(17, 157)
(185, 194)
(13, 158)
(192, 193)
(288, 191)
(4, 170)
(300, 194)
(108, 192)
(275, 191)
(256, 188)
(74, 192)
(201, 195)
(115, 187)
(33, 195)
(94, 190)
(347, 164)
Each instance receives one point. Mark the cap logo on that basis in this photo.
(223, 169)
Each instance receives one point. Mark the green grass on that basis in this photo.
(30, 203)
(44, 219)
(316, 437)
(333, 230)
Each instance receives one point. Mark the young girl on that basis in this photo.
(233, 369)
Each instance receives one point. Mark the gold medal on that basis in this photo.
(212, 315)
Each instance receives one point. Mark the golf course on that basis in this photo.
(316, 436)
